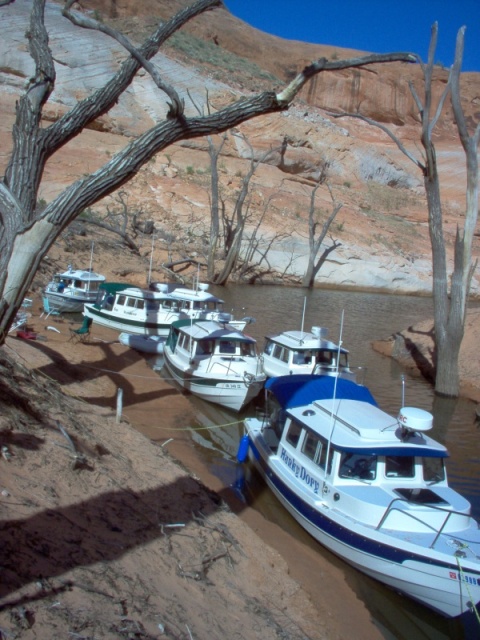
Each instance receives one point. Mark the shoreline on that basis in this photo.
(93, 372)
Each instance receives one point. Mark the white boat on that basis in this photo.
(199, 304)
(133, 310)
(303, 352)
(69, 290)
(370, 487)
(215, 362)
(144, 343)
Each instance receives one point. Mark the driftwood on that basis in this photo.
(185, 261)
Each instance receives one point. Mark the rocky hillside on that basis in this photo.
(382, 225)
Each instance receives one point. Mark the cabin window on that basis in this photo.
(140, 304)
(121, 300)
(293, 433)
(247, 349)
(433, 469)
(184, 342)
(130, 302)
(269, 347)
(227, 346)
(325, 357)
(205, 347)
(400, 466)
(312, 447)
(280, 353)
(302, 357)
(358, 465)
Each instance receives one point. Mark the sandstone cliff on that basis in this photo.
(382, 226)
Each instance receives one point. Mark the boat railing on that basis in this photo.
(215, 362)
(437, 530)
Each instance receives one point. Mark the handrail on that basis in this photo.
(438, 532)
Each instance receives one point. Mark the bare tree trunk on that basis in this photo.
(26, 233)
(314, 243)
(449, 302)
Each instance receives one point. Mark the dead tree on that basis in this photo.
(450, 291)
(315, 263)
(118, 220)
(26, 234)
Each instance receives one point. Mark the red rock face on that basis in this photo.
(381, 92)
(382, 224)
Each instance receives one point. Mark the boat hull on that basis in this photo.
(233, 394)
(65, 303)
(446, 588)
(150, 326)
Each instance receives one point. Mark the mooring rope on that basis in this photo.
(465, 582)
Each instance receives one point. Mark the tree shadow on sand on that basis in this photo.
(110, 365)
(101, 529)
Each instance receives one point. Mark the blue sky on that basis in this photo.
(378, 26)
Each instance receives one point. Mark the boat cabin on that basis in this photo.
(122, 298)
(297, 352)
(205, 339)
(81, 280)
(359, 459)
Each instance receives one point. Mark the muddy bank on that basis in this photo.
(109, 533)
(414, 347)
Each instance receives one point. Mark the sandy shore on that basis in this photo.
(95, 371)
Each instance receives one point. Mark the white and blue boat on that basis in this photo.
(370, 487)
(70, 290)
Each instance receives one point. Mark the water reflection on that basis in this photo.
(355, 319)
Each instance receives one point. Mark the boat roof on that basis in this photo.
(190, 294)
(133, 291)
(183, 293)
(304, 340)
(301, 389)
(346, 413)
(211, 330)
(87, 275)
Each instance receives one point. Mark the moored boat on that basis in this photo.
(133, 310)
(370, 487)
(199, 304)
(303, 352)
(215, 362)
(69, 290)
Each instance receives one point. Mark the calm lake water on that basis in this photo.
(357, 319)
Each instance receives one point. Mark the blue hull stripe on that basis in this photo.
(342, 534)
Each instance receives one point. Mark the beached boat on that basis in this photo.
(300, 352)
(69, 290)
(370, 487)
(144, 343)
(199, 304)
(214, 361)
(133, 310)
